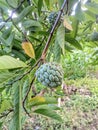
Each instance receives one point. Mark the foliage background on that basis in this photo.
(25, 27)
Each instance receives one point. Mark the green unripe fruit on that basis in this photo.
(50, 74)
(52, 17)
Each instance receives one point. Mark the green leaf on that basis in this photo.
(8, 62)
(4, 6)
(10, 39)
(95, 53)
(13, 3)
(60, 2)
(25, 87)
(5, 76)
(89, 25)
(49, 106)
(79, 13)
(1, 123)
(19, 54)
(5, 105)
(16, 120)
(30, 23)
(57, 52)
(24, 13)
(73, 42)
(75, 24)
(60, 37)
(47, 3)
(71, 4)
(92, 7)
(3, 41)
(89, 15)
(40, 4)
(39, 100)
(49, 113)
(68, 47)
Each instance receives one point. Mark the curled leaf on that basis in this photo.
(67, 25)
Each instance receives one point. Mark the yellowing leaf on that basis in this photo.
(67, 25)
(28, 48)
(39, 100)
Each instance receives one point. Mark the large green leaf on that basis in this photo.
(8, 62)
(60, 37)
(30, 23)
(16, 120)
(24, 13)
(73, 42)
(40, 4)
(49, 113)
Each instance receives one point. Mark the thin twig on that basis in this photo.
(26, 72)
(52, 30)
(27, 96)
(6, 114)
(19, 30)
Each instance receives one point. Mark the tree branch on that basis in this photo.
(43, 54)
(6, 114)
(52, 30)
(44, 51)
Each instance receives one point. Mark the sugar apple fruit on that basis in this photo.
(52, 17)
(50, 74)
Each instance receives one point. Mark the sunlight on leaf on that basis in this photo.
(8, 62)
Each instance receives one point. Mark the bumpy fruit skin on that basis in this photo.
(50, 74)
(52, 17)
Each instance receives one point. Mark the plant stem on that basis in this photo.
(52, 30)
